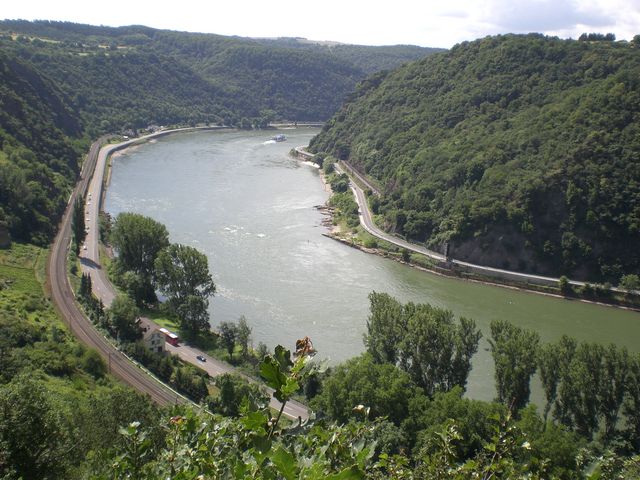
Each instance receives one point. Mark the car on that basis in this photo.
(201, 358)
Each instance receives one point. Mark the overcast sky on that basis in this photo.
(427, 23)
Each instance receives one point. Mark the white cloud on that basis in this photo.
(373, 22)
(546, 15)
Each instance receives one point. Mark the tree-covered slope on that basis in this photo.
(115, 90)
(38, 159)
(521, 151)
(61, 82)
(275, 79)
(369, 59)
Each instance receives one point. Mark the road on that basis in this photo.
(62, 295)
(103, 289)
(215, 367)
(367, 223)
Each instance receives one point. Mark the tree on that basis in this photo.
(182, 275)
(435, 351)
(107, 411)
(137, 287)
(384, 327)
(630, 282)
(233, 391)
(564, 286)
(77, 223)
(514, 352)
(549, 358)
(243, 335)
(340, 183)
(383, 388)
(262, 350)
(578, 402)
(631, 408)
(565, 349)
(35, 438)
(124, 319)
(86, 289)
(425, 341)
(193, 314)
(612, 386)
(138, 241)
(93, 363)
(191, 383)
(229, 336)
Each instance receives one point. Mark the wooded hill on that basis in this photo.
(523, 152)
(38, 159)
(277, 79)
(62, 84)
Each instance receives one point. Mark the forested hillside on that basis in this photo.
(62, 84)
(369, 59)
(521, 151)
(38, 161)
(253, 79)
(113, 91)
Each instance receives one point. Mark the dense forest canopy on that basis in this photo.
(62, 84)
(301, 83)
(369, 59)
(38, 159)
(520, 151)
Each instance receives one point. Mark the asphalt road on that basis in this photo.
(367, 223)
(103, 289)
(215, 367)
(62, 295)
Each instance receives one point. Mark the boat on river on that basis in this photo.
(279, 138)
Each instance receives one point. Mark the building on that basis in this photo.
(153, 339)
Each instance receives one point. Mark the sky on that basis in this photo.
(427, 23)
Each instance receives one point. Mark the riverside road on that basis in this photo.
(62, 295)
(104, 290)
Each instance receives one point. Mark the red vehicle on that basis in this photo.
(170, 337)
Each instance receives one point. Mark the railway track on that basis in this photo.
(62, 295)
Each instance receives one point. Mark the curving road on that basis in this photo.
(63, 297)
(103, 289)
(367, 223)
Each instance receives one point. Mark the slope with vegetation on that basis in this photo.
(38, 153)
(62, 84)
(59, 410)
(369, 59)
(519, 151)
(248, 77)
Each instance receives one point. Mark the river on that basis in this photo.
(240, 199)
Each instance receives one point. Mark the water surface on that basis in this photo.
(247, 205)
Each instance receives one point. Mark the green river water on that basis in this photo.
(241, 200)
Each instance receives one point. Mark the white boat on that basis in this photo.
(279, 138)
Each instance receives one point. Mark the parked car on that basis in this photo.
(201, 358)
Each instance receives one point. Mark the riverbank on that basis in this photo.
(252, 211)
(187, 352)
(443, 272)
(412, 255)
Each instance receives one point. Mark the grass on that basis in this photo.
(20, 290)
(21, 285)
(20, 255)
(19, 279)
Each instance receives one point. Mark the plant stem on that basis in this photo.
(273, 427)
